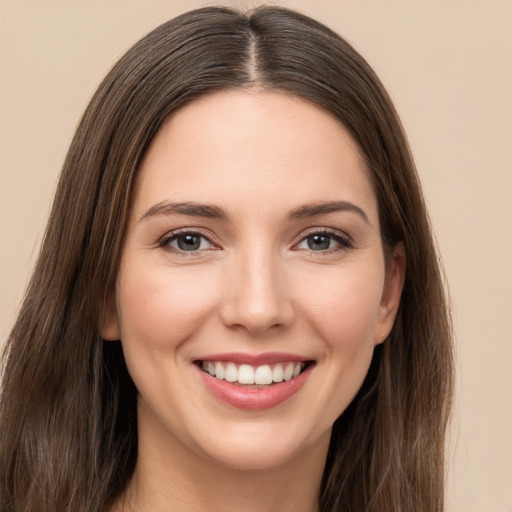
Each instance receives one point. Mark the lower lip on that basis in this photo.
(254, 398)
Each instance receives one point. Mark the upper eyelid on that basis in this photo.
(324, 230)
(173, 233)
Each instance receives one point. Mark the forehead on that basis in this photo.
(259, 147)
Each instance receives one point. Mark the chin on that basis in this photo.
(252, 458)
(265, 450)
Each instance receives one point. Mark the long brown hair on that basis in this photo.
(68, 434)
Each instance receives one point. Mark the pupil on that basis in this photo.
(319, 242)
(189, 242)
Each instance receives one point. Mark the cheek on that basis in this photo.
(160, 308)
(341, 307)
(344, 307)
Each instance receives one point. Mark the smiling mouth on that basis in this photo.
(246, 375)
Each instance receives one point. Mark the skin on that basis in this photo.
(254, 285)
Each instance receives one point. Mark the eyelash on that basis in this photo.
(343, 241)
(175, 235)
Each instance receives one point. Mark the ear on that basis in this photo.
(391, 293)
(109, 321)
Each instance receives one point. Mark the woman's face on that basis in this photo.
(253, 252)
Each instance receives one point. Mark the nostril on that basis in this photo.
(243, 316)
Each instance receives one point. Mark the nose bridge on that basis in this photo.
(257, 298)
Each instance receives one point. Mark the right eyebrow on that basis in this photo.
(188, 208)
(323, 208)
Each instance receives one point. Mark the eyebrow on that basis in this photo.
(312, 210)
(211, 211)
(187, 208)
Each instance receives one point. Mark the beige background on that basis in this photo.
(448, 68)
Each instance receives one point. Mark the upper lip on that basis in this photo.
(255, 359)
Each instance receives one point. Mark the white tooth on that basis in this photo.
(263, 375)
(219, 371)
(204, 366)
(288, 371)
(246, 374)
(231, 373)
(211, 368)
(296, 370)
(277, 373)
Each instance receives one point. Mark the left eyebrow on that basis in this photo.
(312, 210)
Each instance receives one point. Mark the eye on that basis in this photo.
(324, 241)
(186, 242)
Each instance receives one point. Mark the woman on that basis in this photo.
(238, 303)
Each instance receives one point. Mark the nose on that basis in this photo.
(256, 296)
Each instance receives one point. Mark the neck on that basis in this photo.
(169, 476)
